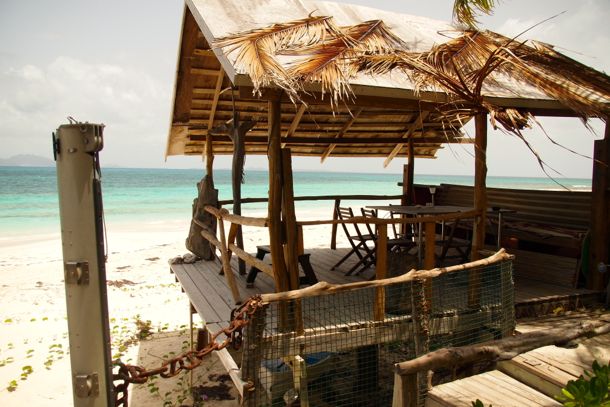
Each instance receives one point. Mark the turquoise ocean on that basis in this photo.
(28, 195)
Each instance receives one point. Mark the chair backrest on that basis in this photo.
(346, 213)
(401, 231)
(370, 214)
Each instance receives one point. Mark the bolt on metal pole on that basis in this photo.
(76, 148)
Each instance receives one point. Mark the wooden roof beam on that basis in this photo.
(295, 122)
(416, 125)
(340, 134)
(204, 52)
(419, 141)
(216, 97)
(207, 71)
(184, 80)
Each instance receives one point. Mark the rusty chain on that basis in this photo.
(128, 374)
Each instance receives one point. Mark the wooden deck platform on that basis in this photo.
(212, 299)
(533, 378)
(495, 388)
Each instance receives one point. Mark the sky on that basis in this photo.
(114, 62)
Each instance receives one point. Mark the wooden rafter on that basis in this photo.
(254, 137)
(203, 52)
(208, 148)
(205, 71)
(340, 134)
(216, 97)
(416, 125)
(295, 122)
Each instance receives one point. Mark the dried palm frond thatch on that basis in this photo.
(462, 67)
(335, 61)
(315, 50)
(257, 49)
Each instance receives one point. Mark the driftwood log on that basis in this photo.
(195, 242)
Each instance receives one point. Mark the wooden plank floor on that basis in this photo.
(213, 300)
(211, 296)
(492, 388)
(549, 368)
(527, 290)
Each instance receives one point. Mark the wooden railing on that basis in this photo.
(227, 245)
(335, 198)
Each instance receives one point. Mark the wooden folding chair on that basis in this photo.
(358, 241)
(398, 242)
(459, 246)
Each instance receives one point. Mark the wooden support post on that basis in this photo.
(417, 384)
(430, 236)
(381, 270)
(480, 205)
(333, 234)
(290, 221)
(237, 132)
(291, 249)
(209, 159)
(275, 197)
(430, 255)
(251, 361)
(408, 175)
(600, 210)
(480, 189)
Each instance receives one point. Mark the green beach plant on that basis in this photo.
(590, 390)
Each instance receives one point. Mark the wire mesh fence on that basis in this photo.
(339, 349)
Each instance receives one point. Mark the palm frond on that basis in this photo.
(256, 49)
(334, 62)
(465, 11)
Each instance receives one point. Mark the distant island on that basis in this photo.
(26, 160)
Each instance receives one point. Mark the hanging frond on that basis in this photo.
(465, 11)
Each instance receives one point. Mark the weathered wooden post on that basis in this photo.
(600, 213)
(275, 197)
(480, 205)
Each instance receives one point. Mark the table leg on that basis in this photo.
(419, 245)
(499, 229)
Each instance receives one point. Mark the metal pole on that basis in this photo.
(76, 148)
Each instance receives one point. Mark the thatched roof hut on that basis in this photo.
(325, 79)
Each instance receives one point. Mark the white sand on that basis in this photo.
(33, 312)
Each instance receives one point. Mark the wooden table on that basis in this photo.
(419, 211)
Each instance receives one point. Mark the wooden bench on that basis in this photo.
(261, 251)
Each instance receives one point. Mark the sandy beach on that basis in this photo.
(34, 348)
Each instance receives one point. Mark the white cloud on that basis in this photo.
(36, 99)
(575, 32)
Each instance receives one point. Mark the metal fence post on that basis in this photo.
(76, 147)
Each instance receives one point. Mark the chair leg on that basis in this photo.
(260, 254)
(353, 251)
(310, 276)
(365, 262)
